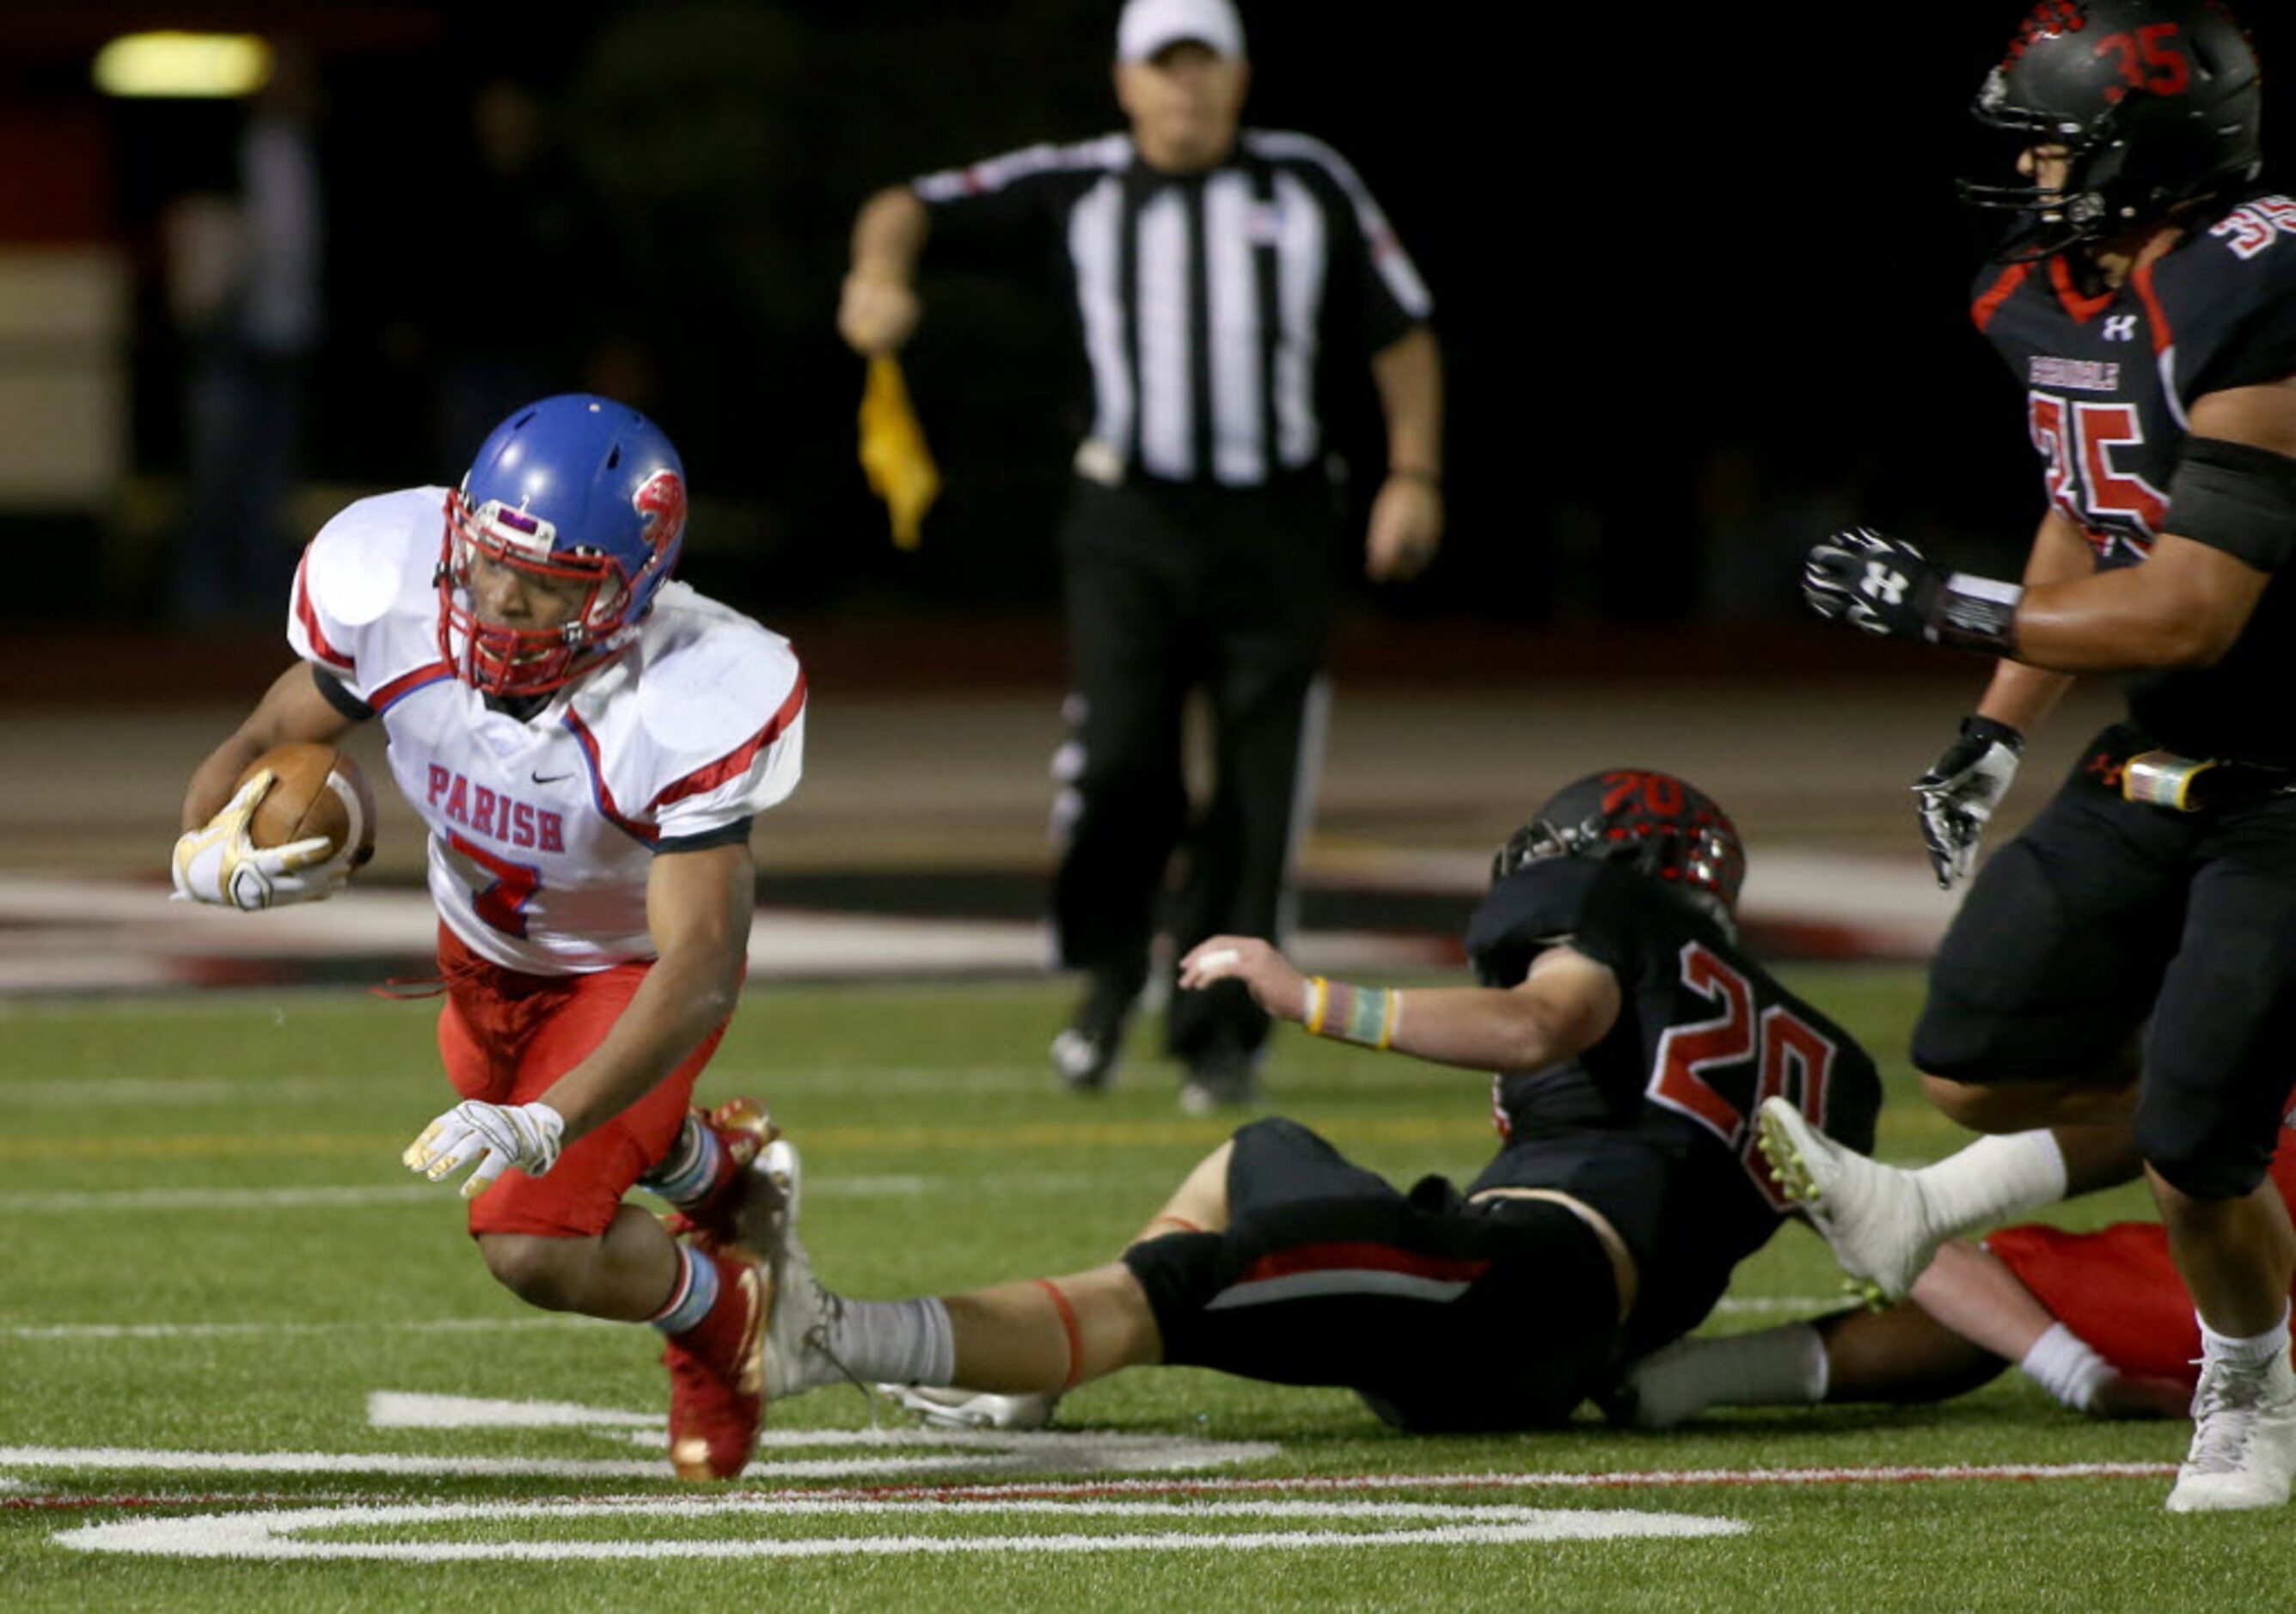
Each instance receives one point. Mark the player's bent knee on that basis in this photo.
(541, 1272)
(1981, 1108)
(2191, 1150)
(1961, 1050)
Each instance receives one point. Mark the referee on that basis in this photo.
(1215, 276)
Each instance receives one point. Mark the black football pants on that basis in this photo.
(1445, 1316)
(2105, 913)
(1172, 589)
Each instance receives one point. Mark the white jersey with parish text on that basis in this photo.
(543, 831)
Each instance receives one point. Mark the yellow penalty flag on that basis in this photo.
(893, 452)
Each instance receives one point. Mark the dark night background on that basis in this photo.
(1701, 280)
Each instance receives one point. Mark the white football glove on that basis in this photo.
(1958, 794)
(218, 864)
(497, 1136)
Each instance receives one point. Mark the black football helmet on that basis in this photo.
(2157, 103)
(1660, 827)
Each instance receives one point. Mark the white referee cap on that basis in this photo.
(1148, 26)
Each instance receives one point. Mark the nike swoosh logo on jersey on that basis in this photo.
(551, 779)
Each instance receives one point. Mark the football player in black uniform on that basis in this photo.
(1634, 1042)
(2145, 299)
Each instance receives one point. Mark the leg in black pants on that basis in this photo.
(1169, 589)
(1266, 603)
(1444, 1316)
(1267, 706)
(1123, 796)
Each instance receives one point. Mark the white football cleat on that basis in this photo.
(778, 1164)
(1873, 1215)
(2244, 1448)
(965, 1409)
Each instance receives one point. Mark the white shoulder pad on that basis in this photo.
(364, 607)
(721, 705)
(361, 559)
(713, 677)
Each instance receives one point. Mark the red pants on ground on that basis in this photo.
(2117, 1288)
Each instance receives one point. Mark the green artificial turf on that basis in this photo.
(216, 1262)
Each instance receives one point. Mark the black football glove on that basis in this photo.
(1958, 794)
(1879, 586)
(1888, 588)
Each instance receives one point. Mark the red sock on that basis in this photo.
(722, 1336)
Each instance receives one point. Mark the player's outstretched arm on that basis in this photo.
(1975, 1294)
(698, 908)
(2229, 527)
(1565, 1005)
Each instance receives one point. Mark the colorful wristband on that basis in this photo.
(1353, 1014)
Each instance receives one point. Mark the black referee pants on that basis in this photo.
(1172, 588)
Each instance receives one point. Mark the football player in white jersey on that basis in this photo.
(587, 742)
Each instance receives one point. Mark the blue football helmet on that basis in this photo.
(586, 497)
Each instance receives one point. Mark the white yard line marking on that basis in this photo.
(408, 1409)
(867, 1454)
(77, 1092)
(276, 1535)
(226, 1331)
(97, 1201)
(1132, 1451)
(1800, 1305)
(1621, 1479)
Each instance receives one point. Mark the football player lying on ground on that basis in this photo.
(587, 742)
(1633, 1040)
(2100, 1320)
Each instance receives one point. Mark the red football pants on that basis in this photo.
(505, 1037)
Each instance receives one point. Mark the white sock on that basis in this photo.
(895, 1341)
(1781, 1366)
(1992, 1181)
(2062, 1363)
(2255, 1348)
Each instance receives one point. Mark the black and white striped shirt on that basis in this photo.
(1207, 302)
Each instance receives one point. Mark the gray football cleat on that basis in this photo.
(797, 1353)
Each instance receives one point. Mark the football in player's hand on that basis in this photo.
(315, 790)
